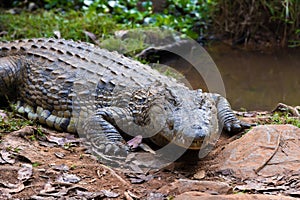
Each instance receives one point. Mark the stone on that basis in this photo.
(205, 196)
(266, 150)
(184, 185)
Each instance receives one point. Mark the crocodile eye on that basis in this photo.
(170, 124)
(174, 101)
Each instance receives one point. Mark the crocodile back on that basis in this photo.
(49, 73)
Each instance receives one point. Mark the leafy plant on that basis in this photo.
(125, 12)
(188, 17)
(13, 123)
(64, 4)
(36, 164)
(279, 118)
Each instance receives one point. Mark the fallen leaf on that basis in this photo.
(2, 161)
(46, 144)
(3, 115)
(48, 188)
(92, 36)
(139, 178)
(156, 196)
(68, 178)
(25, 172)
(61, 167)
(110, 194)
(61, 141)
(7, 157)
(59, 155)
(132, 195)
(15, 189)
(90, 195)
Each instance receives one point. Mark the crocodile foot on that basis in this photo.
(236, 126)
(104, 141)
(113, 153)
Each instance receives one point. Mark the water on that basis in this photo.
(253, 80)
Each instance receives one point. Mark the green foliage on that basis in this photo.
(129, 46)
(47, 4)
(36, 164)
(73, 166)
(37, 134)
(125, 12)
(13, 123)
(65, 4)
(240, 20)
(188, 17)
(279, 118)
(286, 14)
(130, 42)
(275, 20)
(71, 25)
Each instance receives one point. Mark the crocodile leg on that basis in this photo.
(104, 139)
(9, 75)
(226, 117)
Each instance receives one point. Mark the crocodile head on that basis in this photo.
(186, 118)
(166, 115)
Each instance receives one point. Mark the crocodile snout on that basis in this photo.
(199, 132)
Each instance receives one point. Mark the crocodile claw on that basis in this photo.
(236, 126)
(113, 154)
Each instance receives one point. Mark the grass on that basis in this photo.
(71, 25)
(13, 123)
(242, 21)
(74, 25)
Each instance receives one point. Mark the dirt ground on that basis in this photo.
(56, 166)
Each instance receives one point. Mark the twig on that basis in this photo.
(127, 196)
(115, 174)
(267, 161)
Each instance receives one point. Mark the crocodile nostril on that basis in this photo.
(196, 126)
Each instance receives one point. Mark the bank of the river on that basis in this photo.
(253, 80)
(38, 163)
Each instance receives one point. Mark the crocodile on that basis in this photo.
(81, 88)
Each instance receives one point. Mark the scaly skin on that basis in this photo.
(78, 87)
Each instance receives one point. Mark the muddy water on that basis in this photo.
(257, 80)
(253, 80)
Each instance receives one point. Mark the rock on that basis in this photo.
(266, 151)
(205, 196)
(200, 174)
(185, 185)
